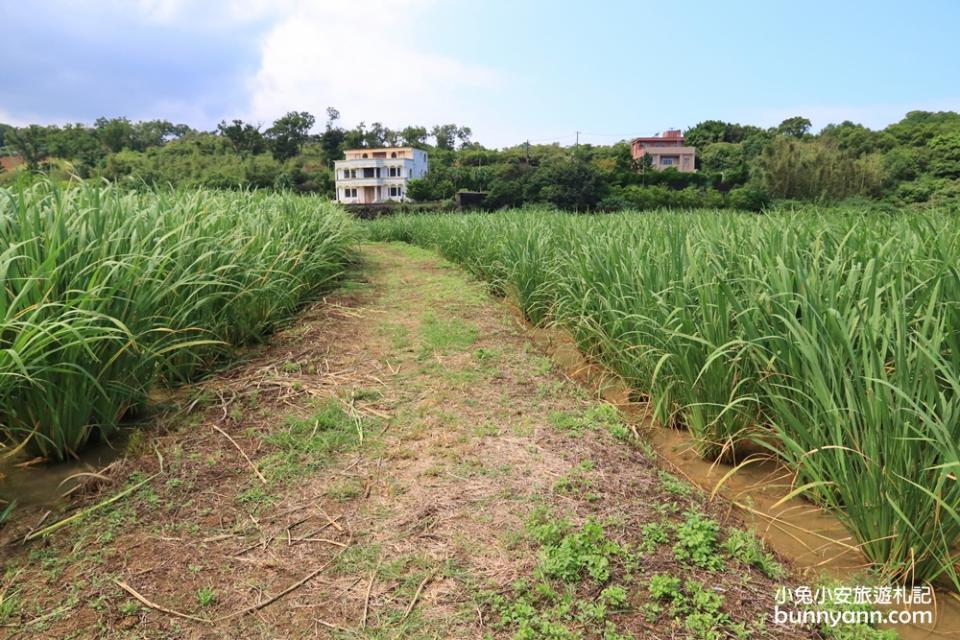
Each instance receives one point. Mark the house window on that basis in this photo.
(349, 193)
(379, 154)
(666, 161)
(396, 192)
(364, 156)
(411, 173)
(393, 154)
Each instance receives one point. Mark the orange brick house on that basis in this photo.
(665, 151)
(10, 162)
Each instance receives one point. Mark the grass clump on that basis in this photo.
(206, 596)
(674, 485)
(304, 445)
(749, 549)
(444, 335)
(828, 338)
(109, 293)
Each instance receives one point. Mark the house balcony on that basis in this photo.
(374, 162)
(383, 181)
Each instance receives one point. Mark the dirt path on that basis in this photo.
(411, 468)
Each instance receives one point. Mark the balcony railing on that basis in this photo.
(374, 162)
(364, 181)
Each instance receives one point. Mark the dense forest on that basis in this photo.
(913, 162)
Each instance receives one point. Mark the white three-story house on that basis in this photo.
(374, 176)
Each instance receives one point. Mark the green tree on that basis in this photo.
(706, 132)
(856, 138)
(903, 163)
(332, 139)
(918, 128)
(31, 142)
(414, 136)
(77, 143)
(419, 190)
(4, 131)
(379, 136)
(945, 159)
(567, 184)
(711, 131)
(289, 133)
(795, 127)
(748, 198)
(155, 133)
(245, 137)
(446, 136)
(116, 134)
(355, 138)
(644, 166)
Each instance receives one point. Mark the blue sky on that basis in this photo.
(512, 70)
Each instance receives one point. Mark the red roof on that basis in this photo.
(671, 135)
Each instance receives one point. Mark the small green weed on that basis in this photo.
(206, 596)
(485, 355)
(748, 549)
(586, 551)
(674, 485)
(445, 335)
(9, 605)
(654, 535)
(697, 542)
(690, 602)
(345, 490)
(129, 608)
(576, 482)
(549, 607)
(307, 444)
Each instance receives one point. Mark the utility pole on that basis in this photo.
(578, 140)
(528, 152)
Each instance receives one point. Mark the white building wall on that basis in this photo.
(419, 163)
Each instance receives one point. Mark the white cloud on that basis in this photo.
(211, 13)
(363, 59)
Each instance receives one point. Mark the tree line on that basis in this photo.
(915, 161)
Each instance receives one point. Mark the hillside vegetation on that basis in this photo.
(913, 162)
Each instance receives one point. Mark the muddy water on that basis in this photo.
(34, 482)
(814, 541)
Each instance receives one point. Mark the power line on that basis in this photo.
(612, 135)
(553, 138)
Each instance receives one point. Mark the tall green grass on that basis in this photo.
(832, 339)
(108, 293)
